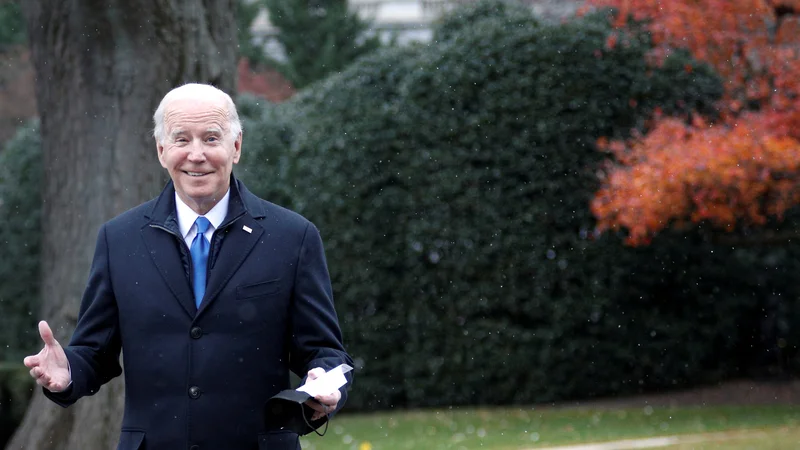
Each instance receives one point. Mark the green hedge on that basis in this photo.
(12, 25)
(20, 231)
(451, 183)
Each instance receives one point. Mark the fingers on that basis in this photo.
(39, 374)
(320, 410)
(324, 404)
(36, 370)
(328, 400)
(46, 381)
(316, 406)
(47, 334)
(31, 361)
(42, 379)
(331, 399)
(315, 373)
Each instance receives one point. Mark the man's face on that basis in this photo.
(198, 150)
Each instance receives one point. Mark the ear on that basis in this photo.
(237, 148)
(160, 150)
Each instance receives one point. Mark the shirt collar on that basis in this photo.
(187, 216)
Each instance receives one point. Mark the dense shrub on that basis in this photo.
(12, 25)
(265, 160)
(513, 14)
(20, 212)
(451, 183)
(20, 229)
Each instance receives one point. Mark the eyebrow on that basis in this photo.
(178, 131)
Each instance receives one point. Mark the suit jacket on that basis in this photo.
(198, 379)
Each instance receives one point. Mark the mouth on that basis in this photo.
(196, 174)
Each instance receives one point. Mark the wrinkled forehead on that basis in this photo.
(187, 112)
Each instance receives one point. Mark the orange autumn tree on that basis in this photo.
(740, 168)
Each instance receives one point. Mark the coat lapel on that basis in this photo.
(161, 234)
(166, 256)
(236, 245)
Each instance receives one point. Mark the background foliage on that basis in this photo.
(12, 25)
(249, 47)
(20, 224)
(737, 169)
(319, 37)
(452, 183)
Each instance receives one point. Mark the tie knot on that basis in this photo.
(202, 224)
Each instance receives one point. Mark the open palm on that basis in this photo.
(49, 367)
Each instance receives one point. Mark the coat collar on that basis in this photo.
(241, 201)
(243, 207)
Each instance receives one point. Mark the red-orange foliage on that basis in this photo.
(745, 167)
(264, 82)
(724, 174)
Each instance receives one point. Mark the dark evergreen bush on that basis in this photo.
(20, 231)
(451, 183)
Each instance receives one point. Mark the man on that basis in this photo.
(212, 294)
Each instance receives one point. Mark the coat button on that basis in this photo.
(196, 332)
(194, 392)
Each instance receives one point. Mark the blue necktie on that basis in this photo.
(200, 259)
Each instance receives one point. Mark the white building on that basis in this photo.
(408, 20)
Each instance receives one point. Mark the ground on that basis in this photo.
(744, 393)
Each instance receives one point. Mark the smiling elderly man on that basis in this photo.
(212, 294)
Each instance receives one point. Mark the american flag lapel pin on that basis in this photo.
(248, 229)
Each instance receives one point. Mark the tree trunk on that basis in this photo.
(102, 66)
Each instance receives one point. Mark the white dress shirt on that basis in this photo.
(187, 216)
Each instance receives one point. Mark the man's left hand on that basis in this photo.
(324, 404)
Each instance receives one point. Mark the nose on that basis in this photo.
(196, 152)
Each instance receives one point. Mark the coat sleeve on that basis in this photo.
(316, 336)
(93, 351)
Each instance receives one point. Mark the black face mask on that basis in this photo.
(287, 411)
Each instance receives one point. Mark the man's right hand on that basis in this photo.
(49, 367)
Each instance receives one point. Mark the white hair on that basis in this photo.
(194, 90)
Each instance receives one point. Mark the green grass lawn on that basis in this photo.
(780, 438)
(530, 428)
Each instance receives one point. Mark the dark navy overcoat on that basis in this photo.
(198, 379)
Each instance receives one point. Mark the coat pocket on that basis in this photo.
(279, 440)
(258, 289)
(131, 440)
